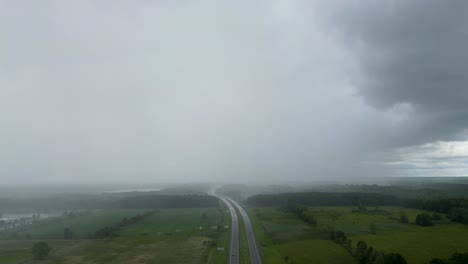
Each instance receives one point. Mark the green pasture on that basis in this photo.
(80, 225)
(420, 244)
(283, 235)
(316, 252)
(177, 221)
(221, 239)
(168, 236)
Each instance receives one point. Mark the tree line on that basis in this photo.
(108, 201)
(365, 254)
(169, 201)
(302, 213)
(110, 231)
(456, 209)
(324, 199)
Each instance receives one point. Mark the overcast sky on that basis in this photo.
(157, 90)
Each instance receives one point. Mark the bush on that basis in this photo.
(456, 258)
(436, 217)
(40, 250)
(424, 220)
(394, 258)
(403, 218)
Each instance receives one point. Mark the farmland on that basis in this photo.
(283, 235)
(178, 235)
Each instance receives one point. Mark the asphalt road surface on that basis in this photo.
(254, 253)
(234, 245)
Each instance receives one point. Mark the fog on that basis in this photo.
(162, 91)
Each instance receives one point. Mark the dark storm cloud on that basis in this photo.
(412, 53)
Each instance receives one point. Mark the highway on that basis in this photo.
(234, 245)
(254, 253)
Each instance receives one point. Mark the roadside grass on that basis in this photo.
(222, 239)
(244, 257)
(268, 250)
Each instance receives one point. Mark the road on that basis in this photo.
(254, 253)
(234, 245)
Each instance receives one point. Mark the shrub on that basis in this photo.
(40, 250)
(424, 220)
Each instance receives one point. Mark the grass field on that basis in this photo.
(417, 244)
(131, 250)
(81, 225)
(282, 234)
(244, 257)
(169, 236)
(180, 221)
(222, 239)
(269, 251)
(189, 235)
(315, 251)
(420, 244)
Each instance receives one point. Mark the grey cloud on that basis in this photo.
(169, 90)
(411, 52)
(177, 90)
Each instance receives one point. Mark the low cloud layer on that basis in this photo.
(95, 91)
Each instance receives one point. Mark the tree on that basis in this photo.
(40, 250)
(361, 252)
(436, 217)
(459, 258)
(437, 261)
(203, 216)
(67, 233)
(456, 258)
(403, 218)
(424, 220)
(394, 258)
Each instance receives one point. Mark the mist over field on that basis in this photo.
(272, 91)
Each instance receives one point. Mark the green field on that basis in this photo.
(199, 235)
(175, 222)
(81, 225)
(281, 234)
(168, 236)
(221, 239)
(420, 244)
(315, 251)
(269, 251)
(417, 244)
